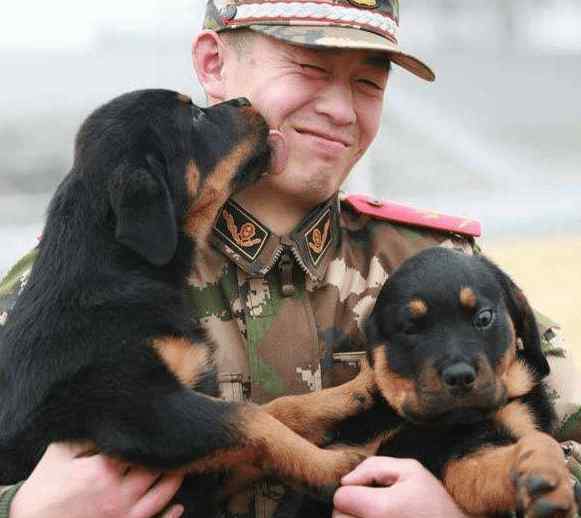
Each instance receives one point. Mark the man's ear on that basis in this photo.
(524, 320)
(208, 56)
(144, 212)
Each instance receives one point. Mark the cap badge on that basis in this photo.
(228, 12)
(369, 4)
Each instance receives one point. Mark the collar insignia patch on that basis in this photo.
(318, 237)
(240, 230)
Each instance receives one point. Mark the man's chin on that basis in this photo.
(310, 183)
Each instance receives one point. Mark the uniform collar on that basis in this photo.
(256, 249)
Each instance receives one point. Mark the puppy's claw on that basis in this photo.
(538, 485)
(539, 497)
(544, 508)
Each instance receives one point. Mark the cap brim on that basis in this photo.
(346, 38)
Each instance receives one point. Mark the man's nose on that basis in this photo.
(336, 102)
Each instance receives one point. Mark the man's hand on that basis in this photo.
(383, 487)
(66, 483)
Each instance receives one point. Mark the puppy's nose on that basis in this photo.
(459, 376)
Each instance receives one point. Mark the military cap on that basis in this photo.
(355, 24)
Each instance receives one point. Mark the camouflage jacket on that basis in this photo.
(286, 311)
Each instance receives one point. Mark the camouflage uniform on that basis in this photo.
(286, 311)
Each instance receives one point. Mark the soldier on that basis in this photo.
(295, 267)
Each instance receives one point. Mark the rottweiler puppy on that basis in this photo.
(101, 346)
(455, 381)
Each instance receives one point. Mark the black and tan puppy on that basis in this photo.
(456, 383)
(100, 345)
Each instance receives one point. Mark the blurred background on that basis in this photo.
(497, 138)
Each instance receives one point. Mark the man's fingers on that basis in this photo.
(174, 512)
(158, 496)
(357, 500)
(138, 481)
(381, 471)
(338, 514)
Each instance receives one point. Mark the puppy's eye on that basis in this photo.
(483, 319)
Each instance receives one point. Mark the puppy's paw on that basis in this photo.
(302, 415)
(545, 494)
(336, 464)
(543, 485)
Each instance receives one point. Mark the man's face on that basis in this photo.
(326, 102)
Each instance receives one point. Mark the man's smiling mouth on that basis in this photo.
(335, 139)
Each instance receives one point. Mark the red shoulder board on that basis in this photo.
(392, 211)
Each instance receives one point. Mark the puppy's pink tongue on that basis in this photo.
(279, 155)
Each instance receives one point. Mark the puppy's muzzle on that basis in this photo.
(459, 378)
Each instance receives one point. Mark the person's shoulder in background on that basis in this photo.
(397, 225)
(12, 284)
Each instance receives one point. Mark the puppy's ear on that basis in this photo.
(144, 211)
(524, 321)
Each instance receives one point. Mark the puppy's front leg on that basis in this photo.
(267, 447)
(314, 415)
(530, 475)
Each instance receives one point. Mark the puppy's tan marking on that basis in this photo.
(539, 457)
(184, 98)
(373, 446)
(313, 415)
(481, 483)
(418, 308)
(468, 298)
(218, 188)
(192, 179)
(430, 380)
(512, 373)
(509, 356)
(215, 191)
(186, 360)
(484, 483)
(394, 388)
(275, 449)
(517, 418)
(518, 380)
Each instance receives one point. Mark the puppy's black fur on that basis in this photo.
(86, 352)
(76, 360)
(455, 419)
(458, 369)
